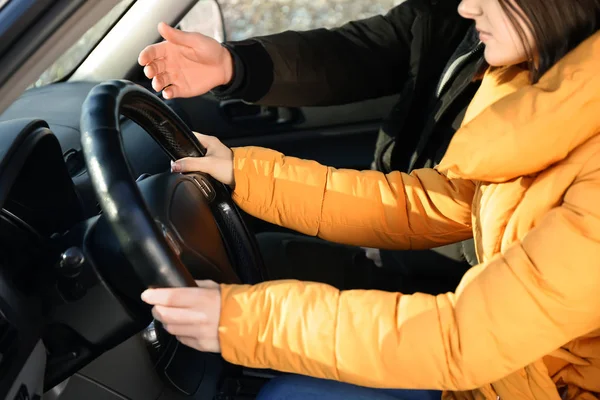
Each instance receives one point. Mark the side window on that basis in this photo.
(78, 51)
(249, 18)
(205, 17)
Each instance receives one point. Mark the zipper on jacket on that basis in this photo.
(446, 103)
(454, 67)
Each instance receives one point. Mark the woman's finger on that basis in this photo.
(177, 297)
(207, 284)
(194, 164)
(205, 139)
(189, 341)
(184, 330)
(200, 344)
(178, 316)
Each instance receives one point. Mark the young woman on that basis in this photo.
(522, 176)
(422, 51)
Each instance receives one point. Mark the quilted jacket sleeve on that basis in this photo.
(537, 295)
(368, 208)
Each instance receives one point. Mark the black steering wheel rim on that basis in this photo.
(141, 239)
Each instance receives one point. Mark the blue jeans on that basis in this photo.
(296, 387)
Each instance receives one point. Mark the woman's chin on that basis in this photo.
(498, 58)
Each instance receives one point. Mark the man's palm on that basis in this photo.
(186, 64)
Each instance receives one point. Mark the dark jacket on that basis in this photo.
(421, 49)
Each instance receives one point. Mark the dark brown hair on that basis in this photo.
(558, 26)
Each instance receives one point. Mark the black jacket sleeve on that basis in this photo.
(360, 60)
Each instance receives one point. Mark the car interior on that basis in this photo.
(90, 214)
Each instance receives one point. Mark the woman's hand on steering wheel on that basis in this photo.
(218, 161)
(190, 314)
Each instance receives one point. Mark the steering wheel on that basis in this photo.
(169, 224)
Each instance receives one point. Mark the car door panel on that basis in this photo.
(340, 136)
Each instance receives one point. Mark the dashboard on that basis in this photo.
(37, 197)
(46, 198)
(30, 163)
(60, 106)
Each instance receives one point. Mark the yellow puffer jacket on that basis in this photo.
(523, 176)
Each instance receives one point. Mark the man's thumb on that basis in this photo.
(173, 35)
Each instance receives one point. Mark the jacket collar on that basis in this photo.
(468, 48)
(514, 129)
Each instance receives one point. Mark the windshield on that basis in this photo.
(77, 53)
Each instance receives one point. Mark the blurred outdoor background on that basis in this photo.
(242, 19)
(247, 18)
